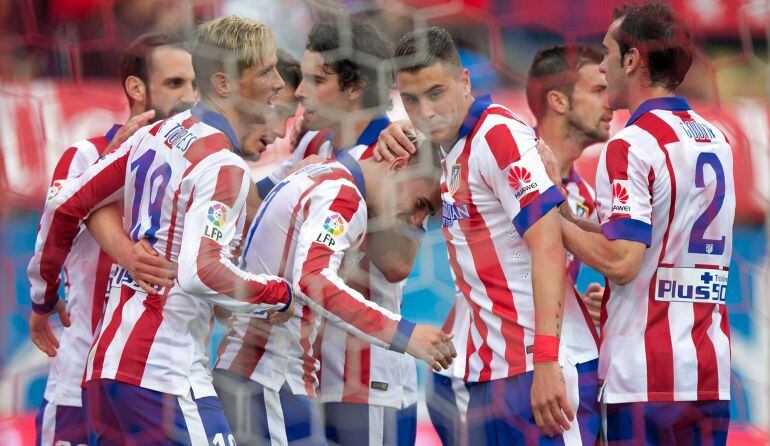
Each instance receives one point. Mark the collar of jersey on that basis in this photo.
(111, 132)
(480, 104)
(673, 103)
(210, 117)
(344, 158)
(368, 136)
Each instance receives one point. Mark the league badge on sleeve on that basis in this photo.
(54, 190)
(216, 217)
(333, 226)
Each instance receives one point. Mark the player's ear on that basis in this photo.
(557, 101)
(356, 91)
(220, 82)
(135, 89)
(465, 80)
(398, 164)
(632, 60)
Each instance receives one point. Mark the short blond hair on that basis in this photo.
(229, 44)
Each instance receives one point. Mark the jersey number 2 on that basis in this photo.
(698, 243)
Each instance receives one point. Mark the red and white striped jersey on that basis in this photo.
(308, 229)
(86, 278)
(494, 187)
(582, 201)
(184, 190)
(353, 370)
(666, 181)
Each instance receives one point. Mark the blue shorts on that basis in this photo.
(262, 416)
(123, 414)
(351, 424)
(500, 413)
(447, 401)
(56, 424)
(675, 423)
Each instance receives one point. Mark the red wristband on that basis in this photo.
(545, 349)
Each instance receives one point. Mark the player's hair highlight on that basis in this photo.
(422, 48)
(556, 68)
(367, 63)
(229, 44)
(137, 58)
(663, 40)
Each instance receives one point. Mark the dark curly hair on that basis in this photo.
(366, 63)
(662, 39)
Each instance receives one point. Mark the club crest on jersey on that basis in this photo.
(334, 225)
(620, 197)
(54, 190)
(216, 217)
(454, 179)
(520, 181)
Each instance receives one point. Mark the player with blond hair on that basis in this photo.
(184, 186)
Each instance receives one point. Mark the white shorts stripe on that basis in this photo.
(462, 396)
(48, 427)
(572, 386)
(192, 419)
(376, 425)
(275, 420)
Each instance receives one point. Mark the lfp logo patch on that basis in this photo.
(54, 190)
(334, 224)
(217, 215)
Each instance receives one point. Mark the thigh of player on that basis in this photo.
(500, 413)
(120, 413)
(57, 425)
(262, 416)
(679, 422)
(354, 424)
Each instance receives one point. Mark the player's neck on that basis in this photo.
(639, 94)
(566, 149)
(346, 133)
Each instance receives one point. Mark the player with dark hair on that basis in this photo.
(184, 185)
(568, 96)
(157, 75)
(666, 203)
(344, 105)
(499, 220)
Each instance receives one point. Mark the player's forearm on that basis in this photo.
(595, 250)
(548, 273)
(106, 227)
(329, 296)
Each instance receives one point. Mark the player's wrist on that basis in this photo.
(289, 299)
(545, 349)
(46, 308)
(401, 335)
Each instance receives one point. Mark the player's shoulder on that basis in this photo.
(503, 136)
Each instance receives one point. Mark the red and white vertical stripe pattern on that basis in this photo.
(184, 190)
(494, 187)
(304, 229)
(87, 269)
(652, 179)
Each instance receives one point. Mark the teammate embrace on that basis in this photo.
(307, 265)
